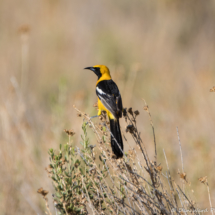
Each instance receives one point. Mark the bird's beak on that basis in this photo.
(90, 68)
(96, 70)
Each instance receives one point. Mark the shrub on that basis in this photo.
(89, 180)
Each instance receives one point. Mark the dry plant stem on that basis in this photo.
(64, 206)
(209, 196)
(109, 196)
(47, 206)
(150, 168)
(170, 180)
(127, 180)
(137, 140)
(91, 123)
(100, 174)
(179, 196)
(179, 141)
(124, 203)
(182, 163)
(153, 130)
(90, 203)
(119, 147)
(140, 207)
(105, 180)
(142, 170)
(187, 199)
(124, 180)
(191, 205)
(108, 173)
(104, 198)
(98, 197)
(159, 206)
(117, 143)
(144, 152)
(55, 210)
(89, 120)
(150, 199)
(127, 195)
(141, 203)
(165, 193)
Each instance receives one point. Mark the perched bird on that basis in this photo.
(109, 100)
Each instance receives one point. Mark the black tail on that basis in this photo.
(115, 130)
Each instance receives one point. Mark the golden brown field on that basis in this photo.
(160, 51)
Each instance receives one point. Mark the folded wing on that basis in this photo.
(109, 94)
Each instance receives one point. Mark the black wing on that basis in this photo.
(109, 94)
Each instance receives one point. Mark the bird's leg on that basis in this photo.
(94, 116)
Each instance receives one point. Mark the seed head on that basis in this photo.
(130, 129)
(69, 132)
(130, 110)
(136, 112)
(203, 179)
(42, 192)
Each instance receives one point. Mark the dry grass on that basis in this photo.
(160, 51)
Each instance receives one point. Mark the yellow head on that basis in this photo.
(100, 71)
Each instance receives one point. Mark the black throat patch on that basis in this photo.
(97, 72)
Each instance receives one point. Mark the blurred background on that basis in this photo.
(161, 51)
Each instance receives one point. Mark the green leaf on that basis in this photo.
(88, 185)
(67, 174)
(58, 195)
(78, 209)
(60, 156)
(54, 179)
(81, 170)
(103, 138)
(66, 147)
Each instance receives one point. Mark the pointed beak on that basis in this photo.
(96, 70)
(90, 68)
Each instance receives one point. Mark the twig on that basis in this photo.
(191, 205)
(153, 130)
(90, 203)
(180, 150)
(209, 196)
(170, 179)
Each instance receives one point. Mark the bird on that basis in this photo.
(110, 101)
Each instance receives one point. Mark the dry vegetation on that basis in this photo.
(162, 51)
(89, 180)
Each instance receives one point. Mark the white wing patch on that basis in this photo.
(100, 91)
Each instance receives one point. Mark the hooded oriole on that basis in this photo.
(109, 100)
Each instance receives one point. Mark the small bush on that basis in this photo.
(88, 181)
